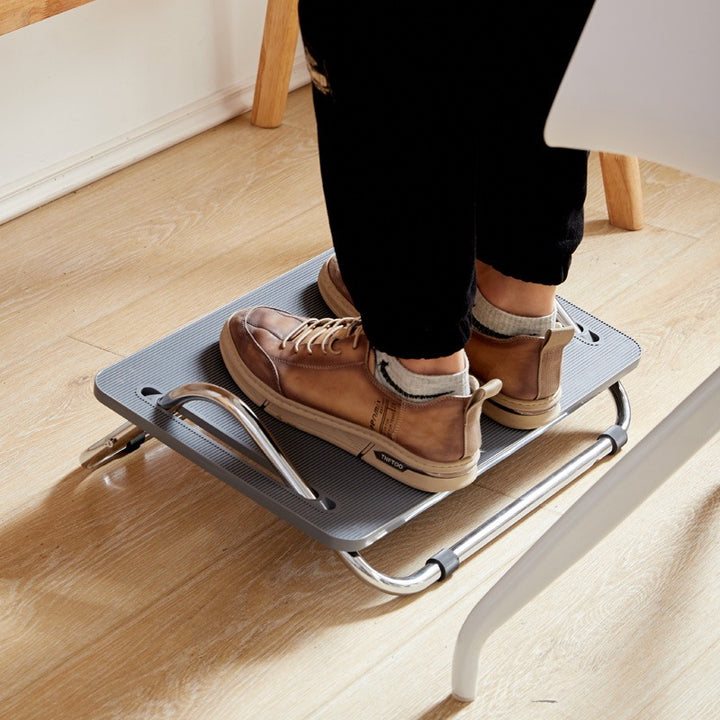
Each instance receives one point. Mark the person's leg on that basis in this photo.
(530, 216)
(529, 202)
(393, 386)
(530, 219)
(393, 109)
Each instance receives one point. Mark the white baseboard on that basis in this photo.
(62, 178)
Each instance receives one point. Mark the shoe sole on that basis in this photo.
(530, 414)
(376, 450)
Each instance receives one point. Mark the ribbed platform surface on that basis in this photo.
(365, 503)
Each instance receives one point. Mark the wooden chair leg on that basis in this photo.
(623, 190)
(277, 56)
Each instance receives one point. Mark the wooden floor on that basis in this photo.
(148, 589)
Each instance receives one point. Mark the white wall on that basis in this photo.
(96, 88)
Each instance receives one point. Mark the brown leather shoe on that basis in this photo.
(317, 375)
(528, 366)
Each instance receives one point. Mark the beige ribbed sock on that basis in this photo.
(391, 373)
(498, 323)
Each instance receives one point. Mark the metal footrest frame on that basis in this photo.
(440, 566)
(322, 490)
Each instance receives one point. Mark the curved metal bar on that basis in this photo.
(622, 403)
(175, 399)
(414, 583)
(126, 438)
(578, 530)
(446, 562)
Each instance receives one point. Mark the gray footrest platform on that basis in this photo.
(358, 504)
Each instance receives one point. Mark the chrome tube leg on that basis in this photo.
(445, 562)
(126, 438)
(606, 444)
(609, 501)
(414, 583)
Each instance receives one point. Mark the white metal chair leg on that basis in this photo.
(622, 489)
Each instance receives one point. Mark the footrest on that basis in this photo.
(358, 504)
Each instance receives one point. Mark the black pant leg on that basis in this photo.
(395, 155)
(404, 93)
(530, 196)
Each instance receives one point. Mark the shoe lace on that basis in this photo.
(324, 332)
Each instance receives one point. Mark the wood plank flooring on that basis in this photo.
(148, 590)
